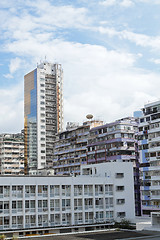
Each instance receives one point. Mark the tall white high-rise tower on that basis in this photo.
(43, 114)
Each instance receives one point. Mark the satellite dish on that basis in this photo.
(89, 116)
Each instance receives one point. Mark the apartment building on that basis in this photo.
(12, 154)
(70, 147)
(36, 204)
(43, 112)
(149, 148)
(116, 142)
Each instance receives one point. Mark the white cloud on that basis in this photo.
(139, 39)
(8, 75)
(14, 65)
(156, 61)
(96, 80)
(126, 3)
(150, 2)
(45, 17)
(123, 3)
(108, 3)
(11, 109)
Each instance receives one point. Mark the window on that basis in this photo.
(27, 204)
(147, 119)
(1, 189)
(141, 120)
(66, 204)
(120, 188)
(120, 201)
(121, 214)
(119, 175)
(32, 189)
(14, 220)
(6, 205)
(39, 203)
(32, 203)
(52, 204)
(6, 220)
(13, 204)
(109, 189)
(19, 203)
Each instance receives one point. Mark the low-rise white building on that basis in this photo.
(102, 193)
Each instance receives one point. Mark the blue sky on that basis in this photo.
(109, 50)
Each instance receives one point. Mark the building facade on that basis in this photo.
(101, 194)
(43, 113)
(149, 148)
(70, 148)
(116, 142)
(12, 154)
(111, 142)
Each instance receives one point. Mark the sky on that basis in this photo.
(109, 51)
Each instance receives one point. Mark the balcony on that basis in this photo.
(88, 193)
(155, 197)
(155, 178)
(89, 221)
(100, 207)
(29, 225)
(151, 208)
(109, 206)
(6, 211)
(98, 193)
(145, 197)
(66, 222)
(78, 208)
(87, 207)
(57, 209)
(155, 187)
(5, 226)
(78, 222)
(110, 193)
(66, 208)
(17, 226)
